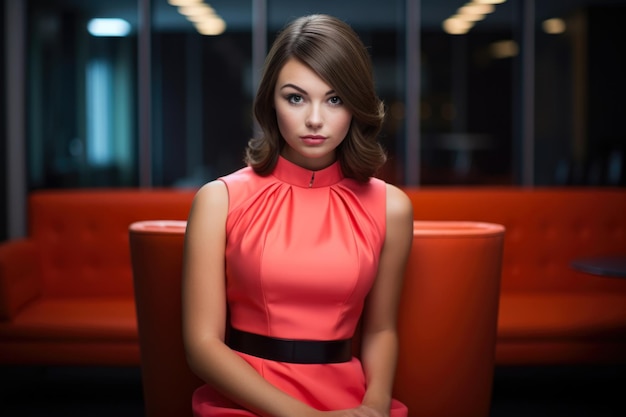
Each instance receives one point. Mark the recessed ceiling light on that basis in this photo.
(113, 27)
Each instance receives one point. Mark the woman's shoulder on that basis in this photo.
(211, 193)
(244, 174)
(398, 202)
(245, 177)
(376, 188)
(221, 187)
(239, 186)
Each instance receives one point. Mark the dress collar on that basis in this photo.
(293, 174)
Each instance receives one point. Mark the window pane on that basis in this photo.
(82, 95)
(202, 94)
(467, 95)
(82, 103)
(580, 92)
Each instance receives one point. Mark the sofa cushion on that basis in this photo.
(593, 316)
(74, 320)
(20, 276)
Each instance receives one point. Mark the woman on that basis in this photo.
(283, 258)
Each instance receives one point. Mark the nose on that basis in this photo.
(314, 117)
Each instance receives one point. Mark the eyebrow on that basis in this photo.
(303, 91)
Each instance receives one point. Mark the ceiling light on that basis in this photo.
(554, 26)
(196, 9)
(212, 26)
(457, 26)
(489, 1)
(469, 17)
(476, 9)
(112, 27)
(201, 14)
(183, 2)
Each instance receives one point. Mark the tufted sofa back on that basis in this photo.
(546, 228)
(82, 235)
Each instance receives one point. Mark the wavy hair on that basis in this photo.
(332, 49)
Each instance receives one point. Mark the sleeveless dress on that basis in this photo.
(302, 253)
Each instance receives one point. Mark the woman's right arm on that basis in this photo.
(204, 313)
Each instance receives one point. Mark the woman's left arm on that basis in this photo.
(379, 335)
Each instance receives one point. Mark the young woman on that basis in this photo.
(284, 258)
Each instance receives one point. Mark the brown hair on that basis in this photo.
(336, 54)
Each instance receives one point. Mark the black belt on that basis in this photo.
(287, 350)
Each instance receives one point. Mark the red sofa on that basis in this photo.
(549, 313)
(66, 291)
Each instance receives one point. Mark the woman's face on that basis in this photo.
(311, 117)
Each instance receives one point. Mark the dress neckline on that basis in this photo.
(293, 174)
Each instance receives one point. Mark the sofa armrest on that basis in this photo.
(20, 276)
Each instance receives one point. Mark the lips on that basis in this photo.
(313, 139)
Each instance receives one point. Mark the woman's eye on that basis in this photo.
(335, 100)
(294, 98)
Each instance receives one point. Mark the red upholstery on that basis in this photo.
(447, 326)
(21, 276)
(448, 317)
(549, 313)
(156, 249)
(66, 291)
(75, 262)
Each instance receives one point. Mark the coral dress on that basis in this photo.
(301, 255)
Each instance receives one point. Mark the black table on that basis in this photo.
(607, 266)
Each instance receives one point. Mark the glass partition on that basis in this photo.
(202, 90)
(82, 73)
(468, 63)
(521, 87)
(580, 90)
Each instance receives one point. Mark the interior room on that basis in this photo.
(497, 112)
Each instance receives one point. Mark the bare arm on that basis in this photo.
(204, 313)
(380, 341)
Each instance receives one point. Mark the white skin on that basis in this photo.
(313, 121)
(307, 109)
